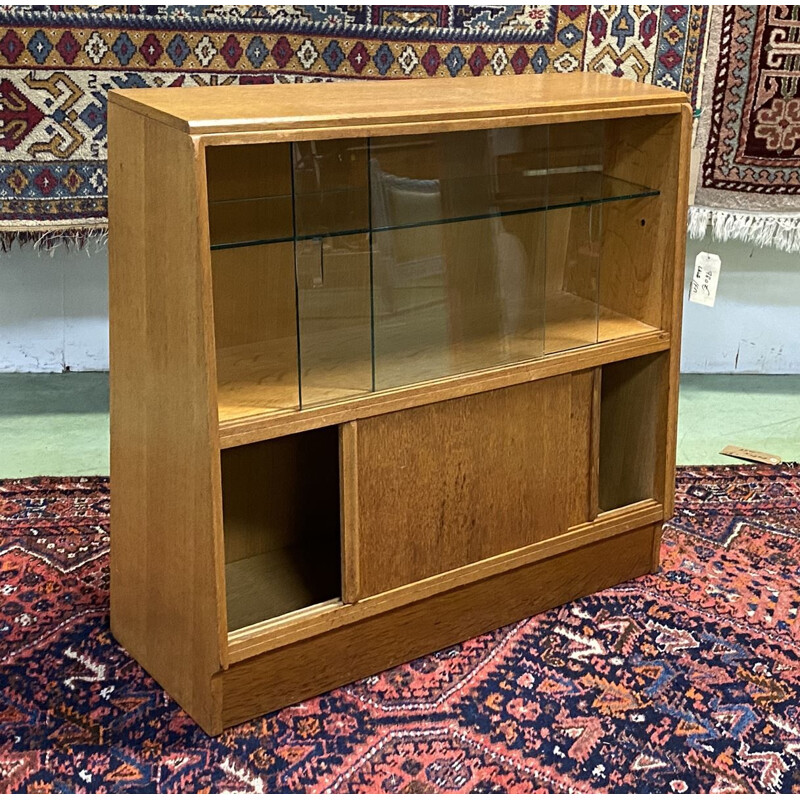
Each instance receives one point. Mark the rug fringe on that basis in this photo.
(76, 239)
(763, 229)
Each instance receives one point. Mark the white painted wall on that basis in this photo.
(754, 326)
(53, 312)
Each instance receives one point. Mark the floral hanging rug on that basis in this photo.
(747, 148)
(57, 64)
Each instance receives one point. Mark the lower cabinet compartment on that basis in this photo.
(633, 419)
(433, 488)
(280, 502)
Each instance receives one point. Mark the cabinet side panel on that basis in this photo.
(127, 318)
(165, 508)
(674, 286)
(452, 483)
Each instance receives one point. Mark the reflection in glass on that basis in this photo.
(460, 295)
(574, 170)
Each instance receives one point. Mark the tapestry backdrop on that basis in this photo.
(748, 143)
(58, 62)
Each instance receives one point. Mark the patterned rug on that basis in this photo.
(57, 64)
(748, 139)
(688, 680)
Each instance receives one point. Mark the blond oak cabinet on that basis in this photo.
(392, 364)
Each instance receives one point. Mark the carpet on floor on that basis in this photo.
(687, 680)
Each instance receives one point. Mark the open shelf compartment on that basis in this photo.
(350, 266)
(633, 419)
(280, 503)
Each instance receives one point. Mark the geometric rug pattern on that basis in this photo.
(687, 680)
(750, 131)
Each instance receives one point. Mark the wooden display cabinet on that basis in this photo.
(392, 364)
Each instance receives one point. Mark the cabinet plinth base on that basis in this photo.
(310, 667)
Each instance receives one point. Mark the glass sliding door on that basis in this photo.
(255, 322)
(458, 258)
(347, 266)
(332, 263)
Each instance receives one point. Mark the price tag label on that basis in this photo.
(705, 279)
(750, 455)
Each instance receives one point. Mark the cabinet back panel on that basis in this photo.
(451, 483)
(279, 492)
(253, 294)
(239, 172)
(249, 192)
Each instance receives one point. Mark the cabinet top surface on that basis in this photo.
(348, 104)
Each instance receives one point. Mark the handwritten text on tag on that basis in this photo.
(705, 278)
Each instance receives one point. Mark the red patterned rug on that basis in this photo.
(688, 680)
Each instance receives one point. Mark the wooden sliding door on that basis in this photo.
(433, 488)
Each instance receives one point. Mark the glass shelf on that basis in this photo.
(530, 193)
